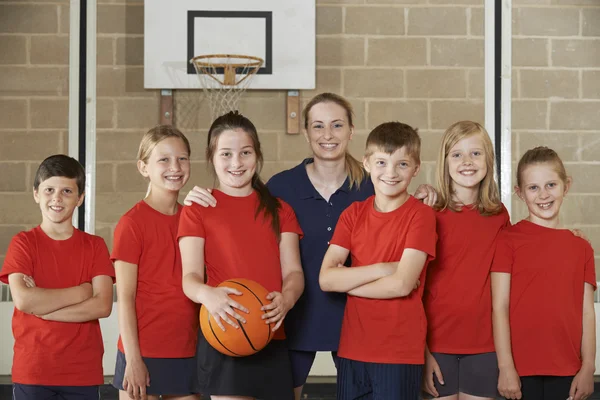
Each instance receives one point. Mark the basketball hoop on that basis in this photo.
(224, 78)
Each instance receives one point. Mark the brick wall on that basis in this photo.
(394, 59)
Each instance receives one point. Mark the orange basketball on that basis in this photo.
(252, 336)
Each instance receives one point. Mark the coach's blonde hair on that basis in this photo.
(354, 168)
(488, 200)
(153, 137)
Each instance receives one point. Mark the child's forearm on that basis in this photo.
(292, 287)
(502, 342)
(588, 339)
(128, 327)
(342, 279)
(194, 287)
(388, 287)
(40, 301)
(89, 310)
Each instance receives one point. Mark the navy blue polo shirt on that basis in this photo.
(315, 322)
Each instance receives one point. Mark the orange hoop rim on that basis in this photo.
(254, 62)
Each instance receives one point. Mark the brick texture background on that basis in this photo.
(417, 61)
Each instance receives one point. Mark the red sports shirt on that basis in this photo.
(549, 268)
(458, 297)
(239, 244)
(49, 352)
(390, 331)
(167, 320)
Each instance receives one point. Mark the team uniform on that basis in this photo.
(458, 301)
(549, 268)
(56, 358)
(382, 342)
(241, 244)
(148, 238)
(315, 322)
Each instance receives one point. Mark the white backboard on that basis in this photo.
(281, 32)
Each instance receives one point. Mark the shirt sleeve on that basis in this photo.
(128, 242)
(18, 258)
(504, 254)
(102, 262)
(190, 222)
(343, 230)
(287, 220)
(590, 267)
(422, 234)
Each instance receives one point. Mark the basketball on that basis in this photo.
(252, 336)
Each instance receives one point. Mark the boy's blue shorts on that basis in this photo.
(359, 380)
(40, 392)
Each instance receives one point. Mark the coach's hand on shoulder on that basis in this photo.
(200, 196)
(221, 306)
(579, 233)
(582, 386)
(427, 194)
(431, 367)
(136, 379)
(276, 310)
(509, 383)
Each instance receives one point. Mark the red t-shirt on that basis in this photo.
(167, 320)
(49, 352)
(549, 268)
(239, 244)
(458, 297)
(390, 331)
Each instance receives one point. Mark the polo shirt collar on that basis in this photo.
(305, 188)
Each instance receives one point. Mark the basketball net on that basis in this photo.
(224, 78)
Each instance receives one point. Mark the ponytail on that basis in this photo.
(354, 170)
(267, 204)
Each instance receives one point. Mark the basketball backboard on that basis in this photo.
(281, 32)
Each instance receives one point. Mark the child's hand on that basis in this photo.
(135, 379)
(431, 367)
(276, 310)
(221, 306)
(200, 196)
(29, 282)
(582, 386)
(509, 384)
(426, 193)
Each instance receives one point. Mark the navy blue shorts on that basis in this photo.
(39, 392)
(359, 380)
(168, 376)
(302, 362)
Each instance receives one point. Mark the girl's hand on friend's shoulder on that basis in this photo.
(276, 310)
(200, 196)
(582, 386)
(427, 194)
(222, 306)
(579, 233)
(509, 384)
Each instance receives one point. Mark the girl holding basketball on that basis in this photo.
(543, 282)
(460, 362)
(251, 235)
(152, 306)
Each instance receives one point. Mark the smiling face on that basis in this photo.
(467, 165)
(543, 191)
(58, 197)
(391, 173)
(328, 131)
(168, 167)
(235, 162)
